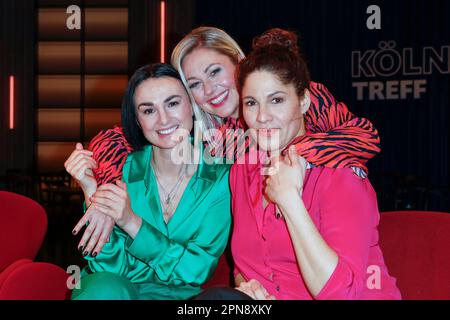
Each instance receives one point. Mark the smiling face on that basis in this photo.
(163, 111)
(210, 77)
(272, 110)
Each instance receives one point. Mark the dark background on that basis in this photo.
(414, 133)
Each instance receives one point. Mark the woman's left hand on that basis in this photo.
(113, 200)
(255, 290)
(285, 177)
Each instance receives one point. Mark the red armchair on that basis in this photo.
(416, 248)
(22, 230)
(223, 275)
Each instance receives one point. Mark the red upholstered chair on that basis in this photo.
(22, 230)
(416, 248)
(223, 275)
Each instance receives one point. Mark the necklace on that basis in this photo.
(169, 196)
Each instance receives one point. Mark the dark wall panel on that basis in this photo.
(17, 57)
(414, 131)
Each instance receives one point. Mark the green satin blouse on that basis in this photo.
(170, 261)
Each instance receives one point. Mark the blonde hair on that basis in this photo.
(210, 38)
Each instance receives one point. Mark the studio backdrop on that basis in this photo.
(389, 61)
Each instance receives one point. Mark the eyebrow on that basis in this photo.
(204, 71)
(208, 67)
(172, 97)
(276, 92)
(270, 95)
(151, 104)
(145, 104)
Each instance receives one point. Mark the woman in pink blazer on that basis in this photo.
(300, 232)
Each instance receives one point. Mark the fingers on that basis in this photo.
(292, 156)
(77, 152)
(82, 222)
(264, 291)
(275, 160)
(87, 234)
(106, 199)
(258, 290)
(122, 185)
(302, 162)
(255, 290)
(103, 203)
(245, 288)
(100, 236)
(113, 188)
(79, 163)
(273, 167)
(78, 170)
(79, 146)
(89, 173)
(100, 196)
(299, 160)
(80, 157)
(75, 156)
(105, 210)
(95, 236)
(271, 171)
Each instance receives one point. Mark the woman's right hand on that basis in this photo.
(79, 165)
(97, 232)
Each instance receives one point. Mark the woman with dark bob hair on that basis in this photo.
(172, 214)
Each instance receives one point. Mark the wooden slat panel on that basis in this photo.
(59, 124)
(59, 57)
(101, 24)
(106, 57)
(99, 119)
(100, 90)
(86, 2)
(52, 25)
(60, 3)
(107, 3)
(64, 57)
(105, 90)
(52, 155)
(107, 23)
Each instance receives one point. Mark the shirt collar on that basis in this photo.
(140, 166)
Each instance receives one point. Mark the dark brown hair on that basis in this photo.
(132, 130)
(276, 51)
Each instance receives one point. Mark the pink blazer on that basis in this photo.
(343, 208)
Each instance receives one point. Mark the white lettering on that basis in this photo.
(74, 20)
(374, 21)
(374, 280)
